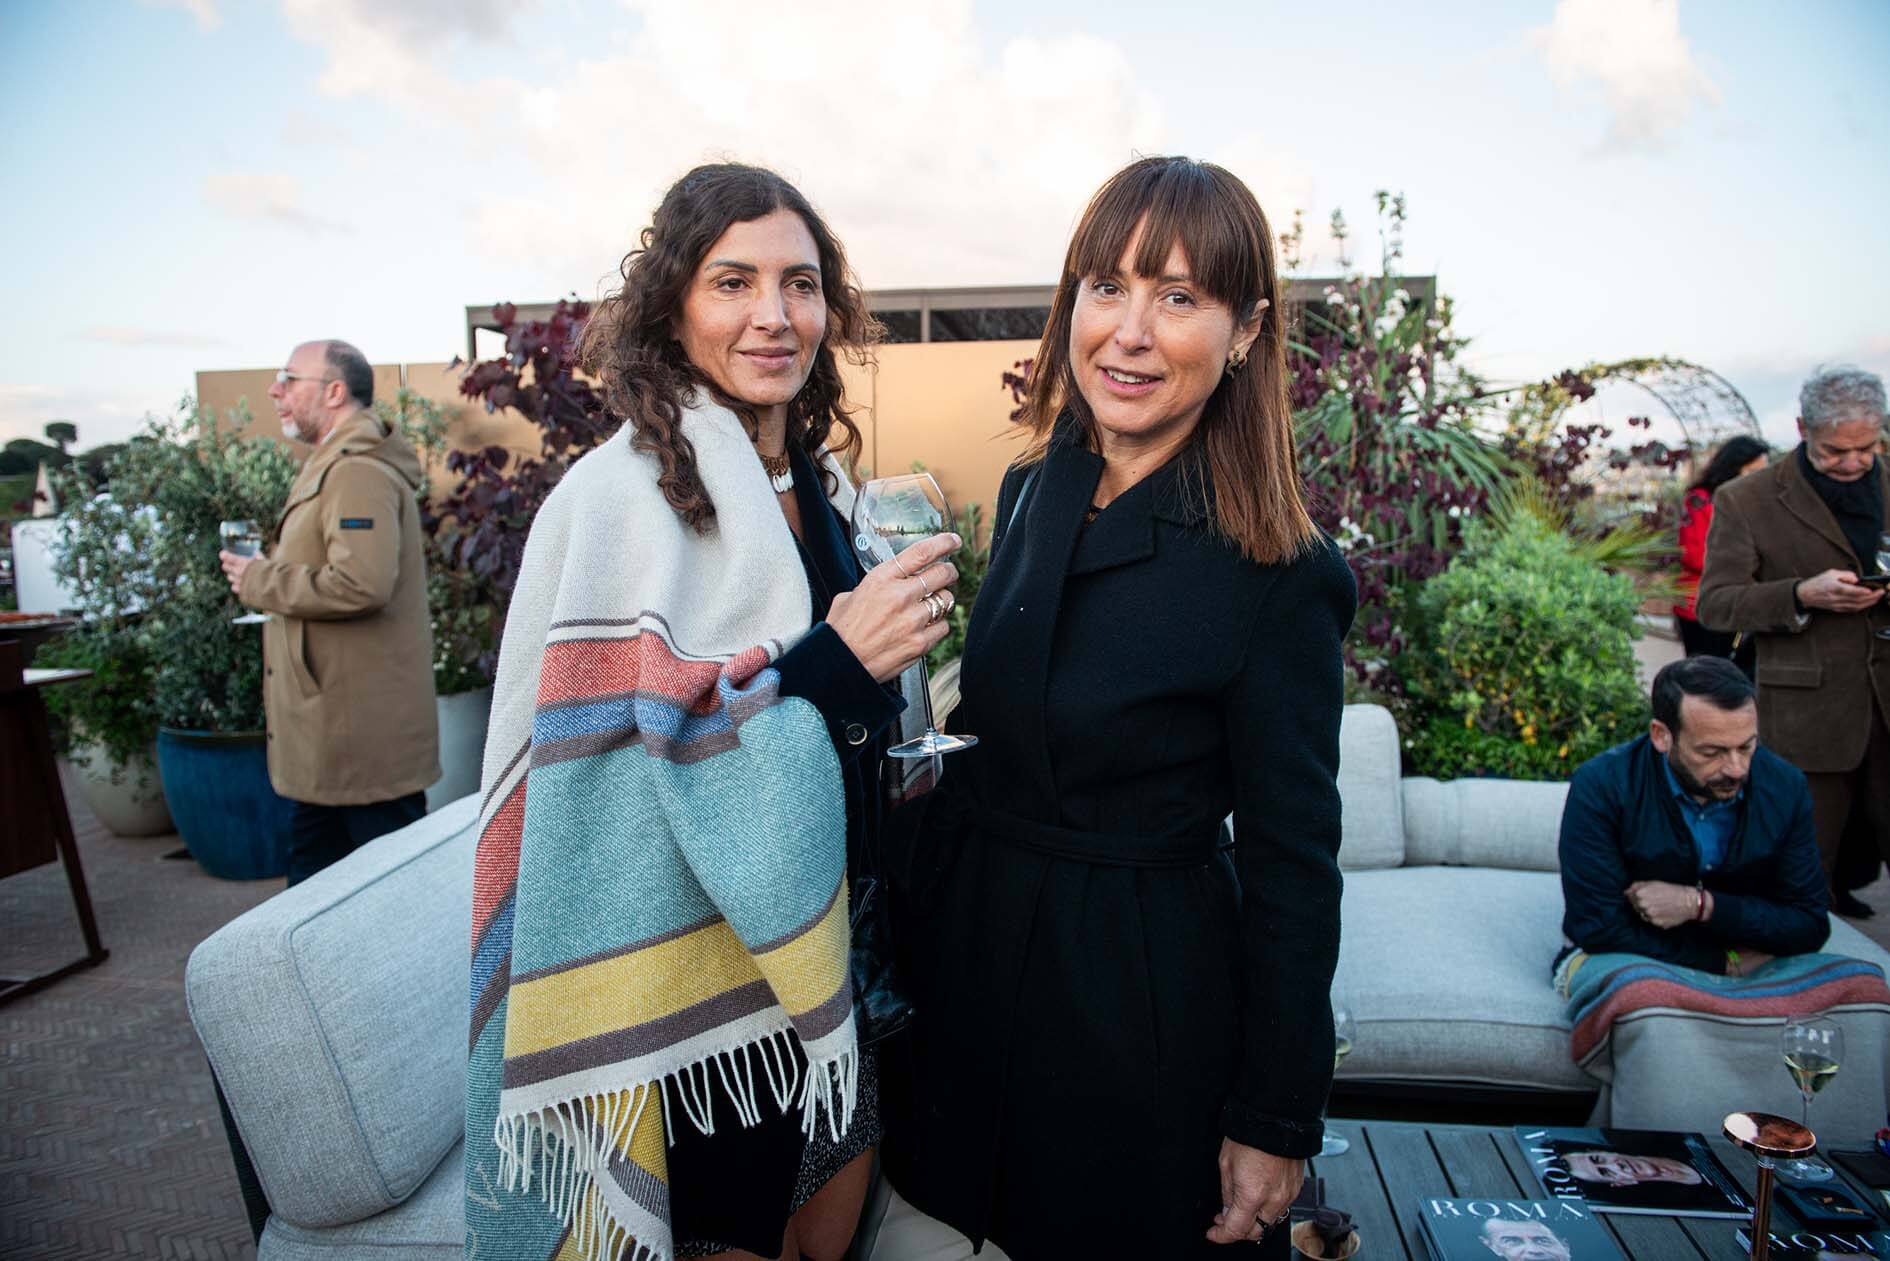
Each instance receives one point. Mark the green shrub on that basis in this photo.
(1524, 665)
(143, 560)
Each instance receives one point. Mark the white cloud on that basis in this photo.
(115, 335)
(205, 11)
(267, 198)
(1634, 53)
(937, 161)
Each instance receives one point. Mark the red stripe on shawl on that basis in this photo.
(495, 861)
(1665, 993)
(577, 670)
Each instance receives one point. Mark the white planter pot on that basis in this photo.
(133, 805)
(463, 719)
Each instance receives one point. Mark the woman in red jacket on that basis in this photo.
(1740, 455)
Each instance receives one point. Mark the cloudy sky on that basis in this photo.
(201, 184)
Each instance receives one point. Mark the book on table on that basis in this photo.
(1513, 1230)
(1816, 1245)
(1633, 1171)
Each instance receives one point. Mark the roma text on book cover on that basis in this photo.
(1633, 1171)
(1815, 1245)
(1514, 1230)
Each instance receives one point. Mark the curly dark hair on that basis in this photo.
(629, 345)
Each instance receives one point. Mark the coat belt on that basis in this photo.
(1102, 849)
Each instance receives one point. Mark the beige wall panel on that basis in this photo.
(942, 404)
(220, 392)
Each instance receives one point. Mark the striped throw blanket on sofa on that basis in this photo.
(1603, 988)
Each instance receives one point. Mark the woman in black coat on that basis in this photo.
(1124, 1041)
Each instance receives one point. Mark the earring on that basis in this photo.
(1236, 361)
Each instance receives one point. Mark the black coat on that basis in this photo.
(1100, 996)
(1621, 824)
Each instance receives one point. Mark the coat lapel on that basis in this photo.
(1015, 618)
(1796, 496)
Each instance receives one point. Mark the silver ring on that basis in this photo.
(900, 566)
(921, 577)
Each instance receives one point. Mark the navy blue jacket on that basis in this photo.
(1621, 824)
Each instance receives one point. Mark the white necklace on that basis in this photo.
(780, 471)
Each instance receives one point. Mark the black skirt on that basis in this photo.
(737, 1187)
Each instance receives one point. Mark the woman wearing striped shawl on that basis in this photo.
(692, 695)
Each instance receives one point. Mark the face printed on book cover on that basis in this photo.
(1622, 1170)
(1523, 1241)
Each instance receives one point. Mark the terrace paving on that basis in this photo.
(110, 1143)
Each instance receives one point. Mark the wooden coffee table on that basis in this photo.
(1392, 1165)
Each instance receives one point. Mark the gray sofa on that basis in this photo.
(334, 1015)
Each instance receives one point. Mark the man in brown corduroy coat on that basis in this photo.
(1793, 560)
(348, 649)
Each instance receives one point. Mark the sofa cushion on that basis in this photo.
(429, 1226)
(1446, 971)
(1373, 834)
(1512, 823)
(334, 1015)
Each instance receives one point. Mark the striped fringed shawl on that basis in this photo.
(659, 887)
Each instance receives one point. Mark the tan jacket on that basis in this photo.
(1816, 676)
(348, 656)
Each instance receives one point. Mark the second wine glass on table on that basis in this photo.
(890, 514)
(242, 538)
(1813, 1047)
(1344, 1030)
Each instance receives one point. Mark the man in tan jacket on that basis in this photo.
(348, 650)
(1793, 560)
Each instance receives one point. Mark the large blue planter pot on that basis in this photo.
(217, 785)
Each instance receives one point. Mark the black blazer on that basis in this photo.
(1101, 995)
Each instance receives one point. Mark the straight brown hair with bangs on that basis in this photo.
(1245, 436)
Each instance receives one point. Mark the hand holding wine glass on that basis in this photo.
(1813, 1047)
(242, 539)
(898, 523)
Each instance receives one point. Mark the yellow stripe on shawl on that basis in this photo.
(618, 993)
(809, 970)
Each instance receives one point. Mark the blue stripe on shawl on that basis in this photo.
(626, 713)
(494, 945)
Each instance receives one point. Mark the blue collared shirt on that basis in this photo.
(1712, 823)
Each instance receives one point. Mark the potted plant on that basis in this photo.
(186, 473)
(106, 727)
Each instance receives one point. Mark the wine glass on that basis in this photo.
(242, 538)
(1344, 1029)
(1813, 1049)
(890, 514)
(1883, 567)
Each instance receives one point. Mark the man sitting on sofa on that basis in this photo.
(1691, 844)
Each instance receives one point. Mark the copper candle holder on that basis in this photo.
(1770, 1139)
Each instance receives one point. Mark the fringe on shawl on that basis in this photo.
(566, 1173)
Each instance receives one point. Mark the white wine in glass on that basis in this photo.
(890, 514)
(1813, 1048)
(1344, 1030)
(242, 538)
